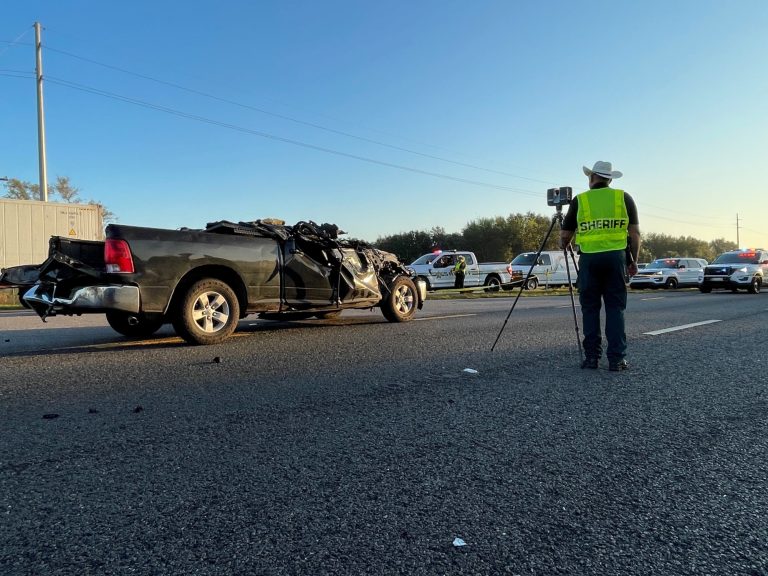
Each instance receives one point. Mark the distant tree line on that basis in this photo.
(62, 190)
(501, 239)
(491, 239)
(665, 246)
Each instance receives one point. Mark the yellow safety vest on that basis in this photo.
(602, 220)
(459, 266)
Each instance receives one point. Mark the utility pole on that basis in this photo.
(40, 116)
(738, 244)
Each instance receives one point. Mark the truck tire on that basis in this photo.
(754, 286)
(134, 325)
(493, 283)
(399, 305)
(532, 283)
(705, 289)
(208, 313)
(671, 283)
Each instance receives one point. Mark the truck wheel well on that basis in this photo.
(227, 275)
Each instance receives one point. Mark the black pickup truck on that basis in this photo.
(204, 281)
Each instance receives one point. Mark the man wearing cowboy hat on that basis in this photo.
(603, 219)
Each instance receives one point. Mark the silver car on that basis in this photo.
(669, 273)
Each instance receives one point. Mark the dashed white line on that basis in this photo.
(683, 327)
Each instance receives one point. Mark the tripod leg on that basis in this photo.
(525, 280)
(573, 302)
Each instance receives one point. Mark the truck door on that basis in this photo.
(543, 269)
(441, 273)
(559, 271)
(307, 272)
(472, 274)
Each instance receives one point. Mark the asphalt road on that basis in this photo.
(356, 446)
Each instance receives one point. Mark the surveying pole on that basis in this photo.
(40, 116)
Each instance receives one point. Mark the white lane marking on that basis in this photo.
(653, 298)
(415, 319)
(443, 317)
(683, 327)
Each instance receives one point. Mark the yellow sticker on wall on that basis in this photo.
(72, 232)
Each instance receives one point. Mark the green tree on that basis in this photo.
(720, 245)
(488, 238)
(64, 190)
(441, 240)
(407, 245)
(21, 190)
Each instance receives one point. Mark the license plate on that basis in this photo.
(716, 279)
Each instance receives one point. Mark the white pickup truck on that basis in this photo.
(436, 269)
(549, 270)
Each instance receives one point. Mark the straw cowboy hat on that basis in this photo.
(604, 169)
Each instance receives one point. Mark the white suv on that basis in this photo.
(746, 268)
(669, 273)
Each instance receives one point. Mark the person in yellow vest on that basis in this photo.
(459, 271)
(605, 224)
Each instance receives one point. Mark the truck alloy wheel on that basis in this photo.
(401, 302)
(493, 284)
(531, 284)
(754, 286)
(208, 313)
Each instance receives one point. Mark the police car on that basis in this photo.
(669, 273)
(747, 268)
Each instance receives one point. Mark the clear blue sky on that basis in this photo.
(385, 117)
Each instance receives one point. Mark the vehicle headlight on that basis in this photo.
(659, 273)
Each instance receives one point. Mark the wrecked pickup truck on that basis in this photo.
(204, 281)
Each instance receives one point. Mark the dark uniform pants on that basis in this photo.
(602, 279)
(458, 281)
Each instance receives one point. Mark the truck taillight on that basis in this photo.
(117, 256)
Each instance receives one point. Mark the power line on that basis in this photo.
(686, 211)
(203, 119)
(13, 43)
(292, 119)
(678, 221)
(17, 74)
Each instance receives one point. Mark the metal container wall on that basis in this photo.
(27, 225)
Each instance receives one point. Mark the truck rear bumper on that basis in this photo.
(84, 300)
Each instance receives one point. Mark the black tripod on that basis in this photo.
(557, 218)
